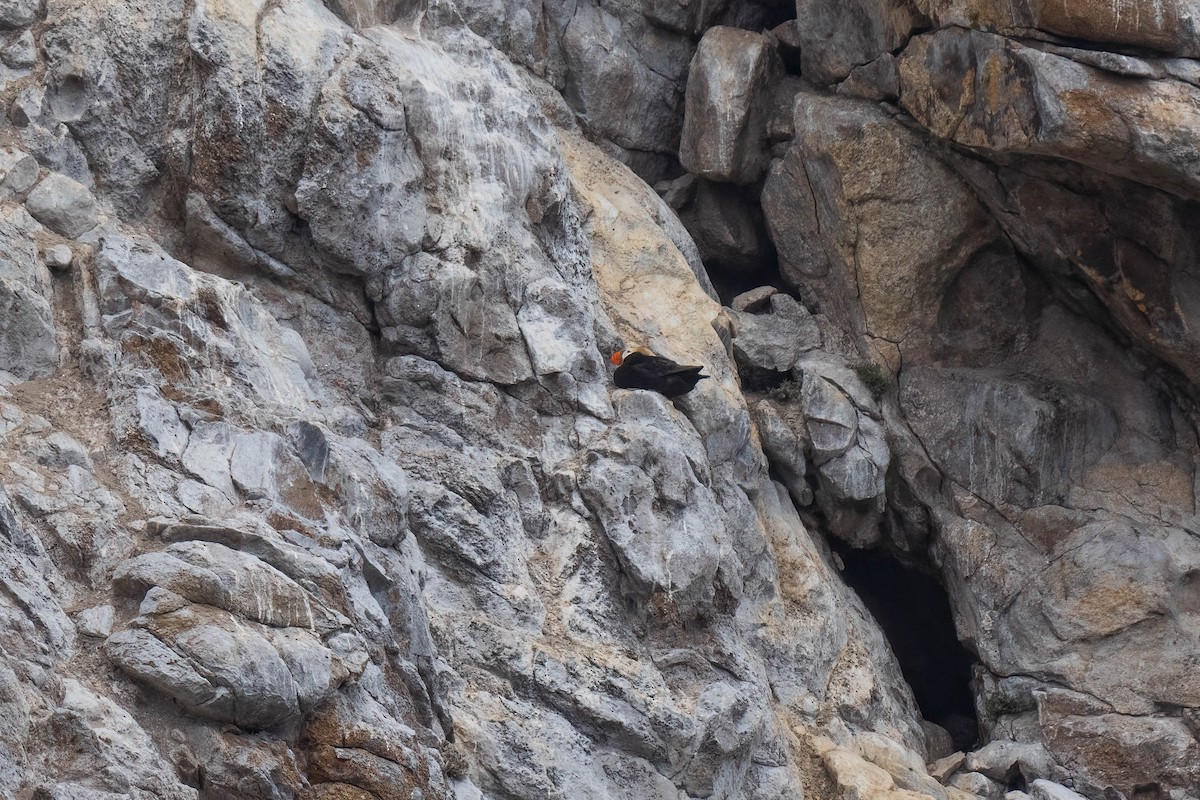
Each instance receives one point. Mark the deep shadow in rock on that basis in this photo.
(914, 612)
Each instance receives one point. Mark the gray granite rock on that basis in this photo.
(997, 759)
(1014, 465)
(207, 454)
(835, 38)
(625, 78)
(1113, 750)
(1170, 30)
(785, 442)
(212, 574)
(638, 469)
(21, 52)
(159, 422)
(113, 756)
(831, 417)
(754, 300)
(975, 783)
(724, 125)
(59, 451)
(50, 141)
(96, 621)
(353, 307)
(876, 80)
(773, 340)
(26, 107)
(63, 205)
(212, 664)
(729, 232)
(946, 766)
(28, 347)
(1147, 144)
(869, 237)
(18, 172)
(21, 13)
(58, 257)
(1048, 790)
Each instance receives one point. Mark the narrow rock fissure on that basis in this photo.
(913, 611)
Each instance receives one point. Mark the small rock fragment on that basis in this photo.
(18, 172)
(975, 783)
(943, 768)
(996, 760)
(754, 300)
(27, 107)
(58, 257)
(59, 451)
(96, 621)
(21, 53)
(20, 13)
(1048, 790)
(938, 741)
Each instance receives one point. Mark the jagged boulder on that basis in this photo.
(111, 754)
(63, 205)
(774, 340)
(1048, 105)
(28, 348)
(212, 574)
(724, 126)
(836, 37)
(635, 474)
(18, 172)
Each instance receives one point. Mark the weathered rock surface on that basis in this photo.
(1032, 102)
(1164, 26)
(21, 13)
(836, 37)
(313, 483)
(874, 235)
(28, 344)
(362, 491)
(774, 340)
(723, 140)
(18, 172)
(63, 205)
(1057, 147)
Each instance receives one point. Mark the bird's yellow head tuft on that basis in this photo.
(619, 357)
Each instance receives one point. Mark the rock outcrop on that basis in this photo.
(313, 482)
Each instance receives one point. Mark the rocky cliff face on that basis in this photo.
(313, 482)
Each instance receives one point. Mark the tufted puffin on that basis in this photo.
(638, 368)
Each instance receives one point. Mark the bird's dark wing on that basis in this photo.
(640, 371)
(659, 367)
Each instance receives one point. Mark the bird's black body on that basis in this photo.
(662, 375)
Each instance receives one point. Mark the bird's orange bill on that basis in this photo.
(617, 357)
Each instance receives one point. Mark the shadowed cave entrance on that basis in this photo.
(914, 612)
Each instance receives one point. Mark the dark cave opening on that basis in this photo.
(914, 612)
